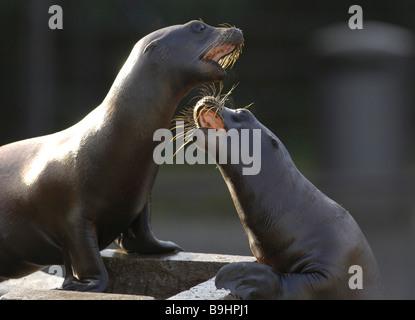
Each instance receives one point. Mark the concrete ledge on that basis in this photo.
(162, 276)
(204, 291)
(38, 280)
(184, 275)
(31, 294)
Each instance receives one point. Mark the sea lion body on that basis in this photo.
(305, 242)
(66, 196)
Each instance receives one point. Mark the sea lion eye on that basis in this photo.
(274, 143)
(198, 26)
(243, 114)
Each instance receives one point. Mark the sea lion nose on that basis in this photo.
(237, 34)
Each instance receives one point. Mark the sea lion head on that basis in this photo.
(233, 137)
(193, 53)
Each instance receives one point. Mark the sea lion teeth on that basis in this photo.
(219, 52)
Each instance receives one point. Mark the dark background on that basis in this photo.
(355, 143)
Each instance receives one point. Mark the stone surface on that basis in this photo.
(37, 280)
(204, 291)
(133, 276)
(31, 294)
(162, 276)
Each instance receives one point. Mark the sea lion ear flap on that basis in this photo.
(150, 46)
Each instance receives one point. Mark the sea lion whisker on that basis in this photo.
(197, 97)
(221, 85)
(226, 25)
(178, 135)
(225, 97)
(191, 131)
(174, 123)
(230, 59)
(248, 106)
(185, 125)
(182, 146)
(205, 90)
(208, 89)
(179, 118)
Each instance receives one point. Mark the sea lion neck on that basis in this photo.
(134, 106)
(139, 92)
(248, 191)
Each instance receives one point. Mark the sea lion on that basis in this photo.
(307, 246)
(67, 195)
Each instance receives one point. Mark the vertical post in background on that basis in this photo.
(36, 74)
(363, 90)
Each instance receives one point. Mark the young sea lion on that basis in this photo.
(305, 243)
(66, 196)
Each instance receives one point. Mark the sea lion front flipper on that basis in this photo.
(249, 280)
(257, 281)
(85, 269)
(139, 237)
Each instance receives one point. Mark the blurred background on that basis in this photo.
(340, 100)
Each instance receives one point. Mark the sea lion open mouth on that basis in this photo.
(208, 113)
(222, 56)
(224, 52)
